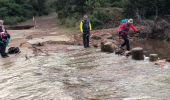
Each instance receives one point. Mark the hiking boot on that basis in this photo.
(121, 48)
(5, 55)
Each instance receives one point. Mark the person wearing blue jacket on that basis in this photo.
(85, 28)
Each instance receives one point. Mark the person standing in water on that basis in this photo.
(4, 39)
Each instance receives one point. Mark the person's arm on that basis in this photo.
(121, 27)
(6, 31)
(90, 26)
(134, 28)
(81, 26)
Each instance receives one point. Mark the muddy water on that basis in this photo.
(75, 73)
(162, 48)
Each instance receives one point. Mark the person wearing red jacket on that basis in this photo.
(123, 32)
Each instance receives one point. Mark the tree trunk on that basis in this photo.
(138, 16)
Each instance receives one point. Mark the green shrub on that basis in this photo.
(3, 12)
(104, 17)
(14, 11)
(68, 22)
(13, 20)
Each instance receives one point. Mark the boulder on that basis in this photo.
(96, 37)
(137, 53)
(96, 45)
(109, 37)
(119, 51)
(153, 57)
(168, 59)
(108, 47)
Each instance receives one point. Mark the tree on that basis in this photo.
(13, 11)
(147, 8)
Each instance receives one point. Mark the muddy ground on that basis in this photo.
(57, 71)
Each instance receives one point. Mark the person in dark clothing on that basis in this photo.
(126, 42)
(4, 40)
(2, 50)
(85, 28)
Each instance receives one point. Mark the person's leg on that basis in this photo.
(127, 43)
(3, 48)
(87, 38)
(124, 41)
(84, 40)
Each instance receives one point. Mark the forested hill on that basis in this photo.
(14, 11)
(103, 12)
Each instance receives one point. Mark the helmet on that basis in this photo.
(130, 21)
(85, 17)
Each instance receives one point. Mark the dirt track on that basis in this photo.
(68, 72)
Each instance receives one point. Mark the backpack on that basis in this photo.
(124, 21)
(13, 50)
(86, 26)
(4, 38)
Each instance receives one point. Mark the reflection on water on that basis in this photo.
(162, 48)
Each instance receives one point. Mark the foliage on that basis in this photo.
(96, 9)
(147, 8)
(104, 17)
(14, 11)
(13, 20)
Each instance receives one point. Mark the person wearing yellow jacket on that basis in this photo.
(85, 28)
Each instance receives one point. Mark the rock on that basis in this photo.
(29, 37)
(95, 37)
(108, 47)
(157, 29)
(39, 44)
(168, 59)
(95, 45)
(25, 44)
(137, 53)
(106, 36)
(110, 37)
(119, 51)
(153, 57)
